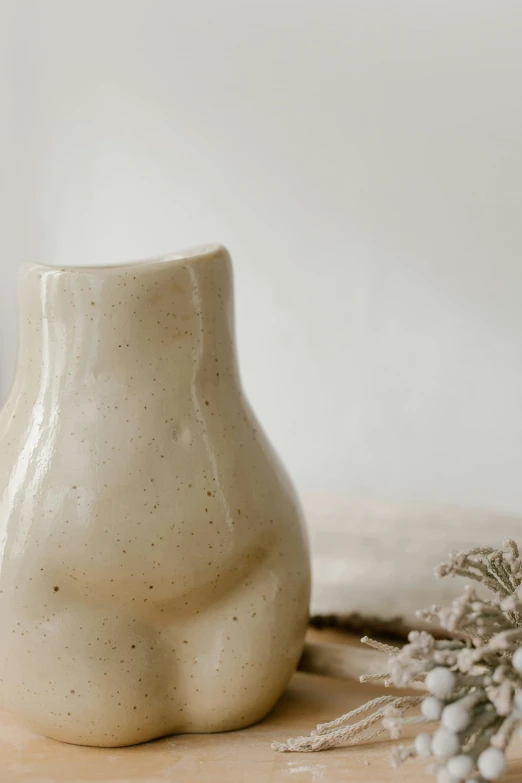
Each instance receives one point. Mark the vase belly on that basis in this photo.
(154, 569)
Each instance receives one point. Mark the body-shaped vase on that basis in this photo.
(154, 573)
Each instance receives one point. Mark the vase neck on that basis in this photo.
(138, 324)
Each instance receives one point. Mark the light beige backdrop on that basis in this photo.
(362, 159)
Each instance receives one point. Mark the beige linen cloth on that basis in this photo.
(377, 559)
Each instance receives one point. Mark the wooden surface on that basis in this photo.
(235, 757)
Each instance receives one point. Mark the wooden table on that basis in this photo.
(235, 757)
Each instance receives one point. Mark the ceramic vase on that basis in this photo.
(154, 572)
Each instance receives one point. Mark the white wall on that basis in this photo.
(362, 160)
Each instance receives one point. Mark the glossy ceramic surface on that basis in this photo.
(154, 573)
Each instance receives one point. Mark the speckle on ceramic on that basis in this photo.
(154, 572)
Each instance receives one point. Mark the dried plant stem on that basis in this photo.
(385, 648)
(502, 737)
(330, 735)
(370, 677)
(324, 728)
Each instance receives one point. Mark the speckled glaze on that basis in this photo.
(154, 573)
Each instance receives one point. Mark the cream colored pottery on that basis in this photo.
(154, 570)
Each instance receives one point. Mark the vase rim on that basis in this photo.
(192, 254)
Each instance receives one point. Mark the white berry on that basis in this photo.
(431, 708)
(461, 766)
(517, 660)
(441, 682)
(444, 744)
(517, 703)
(456, 717)
(491, 763)
(423, 745)
(443, 776)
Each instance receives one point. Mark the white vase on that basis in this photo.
(154, 570)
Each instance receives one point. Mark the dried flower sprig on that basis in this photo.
(473, 678)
